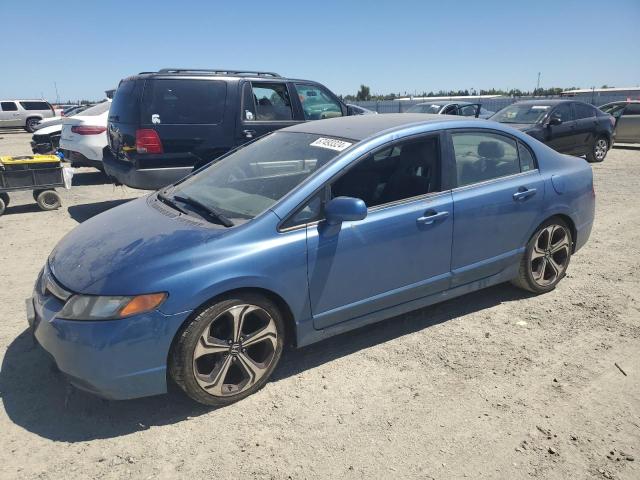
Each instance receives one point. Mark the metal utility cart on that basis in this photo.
(39, 173)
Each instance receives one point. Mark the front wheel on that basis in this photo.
(599, 150)
(30, 125)
(229, 350)
(546, 257)
(49, 200)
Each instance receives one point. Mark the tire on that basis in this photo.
(229, 368)
(5, 198)
(599, 150)
(35, 194)
(49, 200)
(3, 206)
(546, 257)
(30, 125)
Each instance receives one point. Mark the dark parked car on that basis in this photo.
(571, 127)
(163, 124)
(627, 115)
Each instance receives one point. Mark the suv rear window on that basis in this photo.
(35, 105)
(125, 105)
(183, 101)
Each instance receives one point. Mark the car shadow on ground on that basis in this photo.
(38, 399)
(627, 146)
(83, 212)
(82, 179)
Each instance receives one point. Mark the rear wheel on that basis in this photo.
(229, 350)
(546, 258)
(599, 150)
(5, 198)
(49, 200)
(3, 205)
(30, 125)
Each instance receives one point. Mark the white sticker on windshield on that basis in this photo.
(540, 107)
(331, 144)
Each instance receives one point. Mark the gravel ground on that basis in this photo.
(496, 384)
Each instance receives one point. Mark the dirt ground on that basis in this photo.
(497, 384)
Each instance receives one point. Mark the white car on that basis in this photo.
(84, 136)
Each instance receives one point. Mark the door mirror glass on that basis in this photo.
(345, 209)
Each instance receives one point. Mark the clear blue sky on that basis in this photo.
(88, 46)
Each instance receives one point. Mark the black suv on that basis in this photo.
(163, 124)
(571, 127)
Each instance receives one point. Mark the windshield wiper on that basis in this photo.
(166, 199)
(212, 212)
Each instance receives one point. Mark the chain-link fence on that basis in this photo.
(492, 104)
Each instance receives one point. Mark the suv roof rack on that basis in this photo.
(222, 71)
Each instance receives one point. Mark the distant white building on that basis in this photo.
(629, 91)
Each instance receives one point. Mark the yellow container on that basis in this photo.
(29, 159)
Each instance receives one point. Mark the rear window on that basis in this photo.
(183, 101)
(125, 106)
(35, 105)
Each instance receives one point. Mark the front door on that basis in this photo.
(562, 138)
(265, 107)
(400, 252)
(498, 200)
(628, 125)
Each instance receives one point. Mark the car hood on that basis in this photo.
(126, 249)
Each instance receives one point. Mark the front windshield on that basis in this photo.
(252, 179)
(424, 108)
(521, 114)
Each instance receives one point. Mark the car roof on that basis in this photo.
(359, 127)
(24, 100)
(220, 74)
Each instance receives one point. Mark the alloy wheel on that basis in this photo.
(600, 149)
(550, 255)
(235, 350)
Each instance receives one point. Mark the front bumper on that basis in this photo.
(116, 359)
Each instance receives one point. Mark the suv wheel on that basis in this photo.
(599, 150)
(30, 126)
(229, 350)
(546, 257)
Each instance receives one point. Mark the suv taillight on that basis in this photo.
(148, 141)
(88, 129)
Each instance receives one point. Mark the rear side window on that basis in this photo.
(181, 102)
(482, 156)
(8, 106)
(632, 109)
(583, 111)
(126, 101)
(266, 102)
(35, 105)
(527, 162)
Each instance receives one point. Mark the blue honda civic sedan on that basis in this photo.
(306, 233)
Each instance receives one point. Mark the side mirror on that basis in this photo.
(344, 209)
(351, 110)
(555, 120)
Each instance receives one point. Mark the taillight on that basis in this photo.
(148, 141)
(88, 129)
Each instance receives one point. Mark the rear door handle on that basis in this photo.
(523, 193)
(249, 133)
(431, 216)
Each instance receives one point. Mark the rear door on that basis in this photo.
(9, 115)
(562, 138)
(586, 127)
(266, 106)
(496, 204)
(628, 125)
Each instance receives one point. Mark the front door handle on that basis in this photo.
(431, 216)
(523, 193)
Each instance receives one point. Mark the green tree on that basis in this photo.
(363, 94)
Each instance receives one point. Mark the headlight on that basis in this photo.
(90, 307)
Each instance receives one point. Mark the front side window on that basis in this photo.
(8, 106)
(523, 113)
(35, 105)
(482, 156)
(563, 112)
(425, 108)
(468, 110)
(266, 102)
(632, 109)
(253, 178)
(316, 103)
(613, 109)
(408, 169)
(180, 102)
(583, 111)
